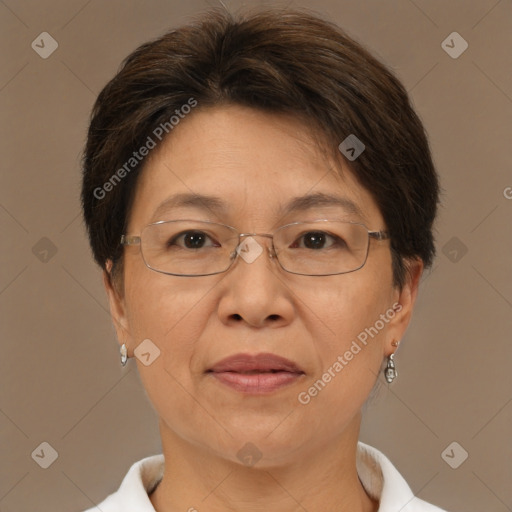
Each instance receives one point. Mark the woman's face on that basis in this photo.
(335, 329)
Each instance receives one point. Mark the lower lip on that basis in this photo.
(256, 383)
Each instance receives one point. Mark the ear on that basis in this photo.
(117, 306)
(404, 302)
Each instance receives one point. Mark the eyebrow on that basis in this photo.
(218, 206)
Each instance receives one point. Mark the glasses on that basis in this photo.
(202, 248)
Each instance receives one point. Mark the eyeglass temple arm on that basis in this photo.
(379, 235)
(130, 240)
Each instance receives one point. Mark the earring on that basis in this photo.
(390, 371)
(124, 354)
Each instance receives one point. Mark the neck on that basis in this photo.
(323, 479)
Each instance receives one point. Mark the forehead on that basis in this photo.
(235, 164)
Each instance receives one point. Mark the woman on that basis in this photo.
(260, 195)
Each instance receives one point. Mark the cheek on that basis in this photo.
(355, 350)
(350, 361)
(159, 305)
(172, 316)
(341, 309)
(349, 325)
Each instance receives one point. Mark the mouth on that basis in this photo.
(256, 374)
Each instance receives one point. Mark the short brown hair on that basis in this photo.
(281, 61)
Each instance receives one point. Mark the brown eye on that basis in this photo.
(316, 240)
(192, 240)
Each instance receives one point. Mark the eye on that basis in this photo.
(318, 240)
(192, 239)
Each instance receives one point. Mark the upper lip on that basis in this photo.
(264, 362)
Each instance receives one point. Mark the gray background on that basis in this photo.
(61, 381)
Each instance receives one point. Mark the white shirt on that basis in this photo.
(380, 478)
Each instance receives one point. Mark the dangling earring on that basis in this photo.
(124, 354)
(390, 371)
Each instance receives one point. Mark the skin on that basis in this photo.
(308, 452)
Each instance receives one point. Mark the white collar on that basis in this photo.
(380, 478)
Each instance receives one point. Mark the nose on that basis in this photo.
(253, 291)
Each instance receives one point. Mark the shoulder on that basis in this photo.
(133, 493)
(383, 482)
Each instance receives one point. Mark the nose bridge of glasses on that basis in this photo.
(249, 248)
(242, 236)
